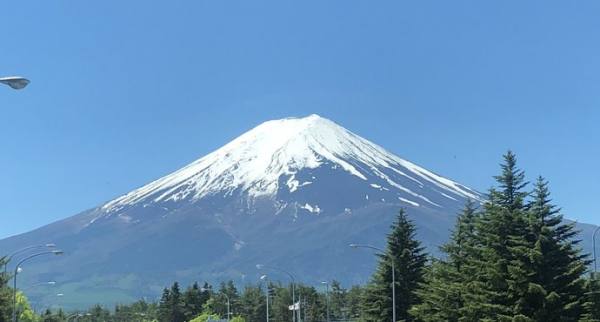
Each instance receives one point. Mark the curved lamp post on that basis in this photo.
(261, 266)
(14, 313)
(265, 278)
(594, 247)
(22, 250)
(15, 82)
(39, 284)
(393, 274)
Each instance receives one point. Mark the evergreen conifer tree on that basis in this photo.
(252, 304)
(553, 263)
(409, 261)
(442, 292)
(496, 277)
(193, 301)
(522, 264)
(164, 305)
(337, 300)
(171, 307)
(592, 300)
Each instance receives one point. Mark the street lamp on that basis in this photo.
(261, 266)
(393, 274)
(22, 250)
(14, 313)
(15, 82)
(327, 297)
(266, 280)
(39, 284)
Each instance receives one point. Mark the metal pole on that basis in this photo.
(393, 274)
(327, 298)
(294, 301)
(594, 248)
(300, 307)
(393, 290)
(305, 306)
(266, 280)
(228, 309)
(299, 311)
(328, 303)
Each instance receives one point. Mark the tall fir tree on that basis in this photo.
(171, 306)
(592, 300)
(252, 305)
(409, 260)
(522, 264)
(353, 303)
(490, 293)
(441, 293)
(553, 264)
(278, 308)
(337, 301)
(164, 305)
(193, 301)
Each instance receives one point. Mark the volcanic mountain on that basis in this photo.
(290, 193)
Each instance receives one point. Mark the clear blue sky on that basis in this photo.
(124, 92)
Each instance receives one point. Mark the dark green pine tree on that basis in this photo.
(171, 307)
(278, 307)
(409, 260)
(554, 287)
(193, 300)
(496, 279)
(252, 304)
(177, 304)
(205, 293)
(48, 316)
(468, 253)
(592, 300)
(526, 265)
(353, 300)
(337, 301)
(164, 309)
(442, 292)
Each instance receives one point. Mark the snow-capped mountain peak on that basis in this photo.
(255, 161)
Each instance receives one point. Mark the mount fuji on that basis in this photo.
(290, 193)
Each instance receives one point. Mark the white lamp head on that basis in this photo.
(15, 82)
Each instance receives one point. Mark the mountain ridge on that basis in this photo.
(218, 217)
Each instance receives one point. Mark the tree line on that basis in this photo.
(510, 258)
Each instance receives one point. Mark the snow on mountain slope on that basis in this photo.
(255, 162)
